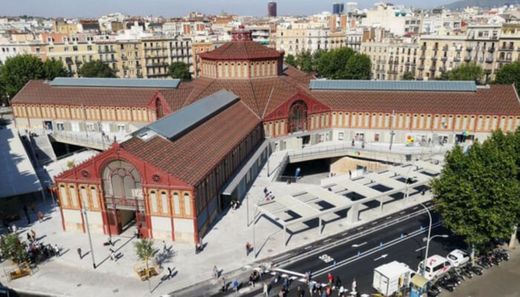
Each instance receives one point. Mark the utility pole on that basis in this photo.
(89, 238)
(392, 129)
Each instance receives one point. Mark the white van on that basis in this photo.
(435, 267)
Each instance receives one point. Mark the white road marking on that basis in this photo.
(381, 257)
(359, 244)
(421, 248)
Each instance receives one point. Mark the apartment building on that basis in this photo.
(444, 53)
(391, 59)
(160, 52)
(299, 39)
(73, 51)
(508, 50)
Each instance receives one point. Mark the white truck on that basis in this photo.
(391, 277)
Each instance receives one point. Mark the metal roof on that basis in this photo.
(388, 85)
(188, 117)
(115, 82)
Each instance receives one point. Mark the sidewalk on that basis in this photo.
(70, 276)
(499, 281)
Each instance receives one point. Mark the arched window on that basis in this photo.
(159, 112)
(298, 117)
(121, 180)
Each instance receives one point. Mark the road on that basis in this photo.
(356, 260)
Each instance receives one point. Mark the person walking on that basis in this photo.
(170, 272)
(56, 250)
(33, 235)
(248, 248)
(266, 290)
(80, 254)
(215, 272)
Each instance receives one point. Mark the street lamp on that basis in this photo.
(89, 238)
(429, 238)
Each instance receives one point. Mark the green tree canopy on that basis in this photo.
(408, 76)
(469, 71)
(509, 74)
(477, 193)
(18, 70)
(304, 61)
(359, 66)
(13, 248)
(96, 69)
(54, 68)
(179, 70)
(291, 60)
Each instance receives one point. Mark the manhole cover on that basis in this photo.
(115, 291)
(78, 285)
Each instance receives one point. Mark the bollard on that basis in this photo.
(358, 253)
(402, 235)
(381, 244)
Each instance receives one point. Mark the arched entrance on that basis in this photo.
(124, 201)
(298, 117)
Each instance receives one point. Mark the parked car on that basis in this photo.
(458, 258)
(435, 267)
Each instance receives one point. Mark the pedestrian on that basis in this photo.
(300, 292)
(224, 284)
(80, 254)
(40, 216)
(112, 255)
(164, 246)
(248, 248)
(56, 250)
(29, 238)
(215, 272)
(330, 278)
(266, 290)
(337, 283)
(13, 228)
(353, 142)
(170, 272)
(33, 235)
(26, 212)
(350, 174)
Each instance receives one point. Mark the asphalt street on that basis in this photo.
(356, 260)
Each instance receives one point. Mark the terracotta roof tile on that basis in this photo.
(37, 91)
(241, 50)
(194, 155)
(497, 99)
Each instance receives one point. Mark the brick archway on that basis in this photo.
(298, 116)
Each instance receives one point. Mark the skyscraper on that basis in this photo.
(338, 8)
(271, 9)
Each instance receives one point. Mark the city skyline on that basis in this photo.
(168, 8)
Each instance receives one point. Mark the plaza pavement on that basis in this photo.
(67, 275)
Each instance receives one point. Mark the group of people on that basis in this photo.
(235, 204)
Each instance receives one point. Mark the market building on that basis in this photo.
(189, 141)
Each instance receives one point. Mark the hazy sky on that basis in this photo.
(90, 8)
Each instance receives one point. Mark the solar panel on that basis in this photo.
(186, 118)
(115, 82)
(382, 85)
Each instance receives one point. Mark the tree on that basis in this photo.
(179, 70)
(291, 60)
(470, 71)
(18, 70)
(13, 248)
(304, 61)
(477, 193)
(509, 74)
(54, 68)
(145, 251)
(359, 66)
(96, 69)
(408, 76)
(333, 64)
